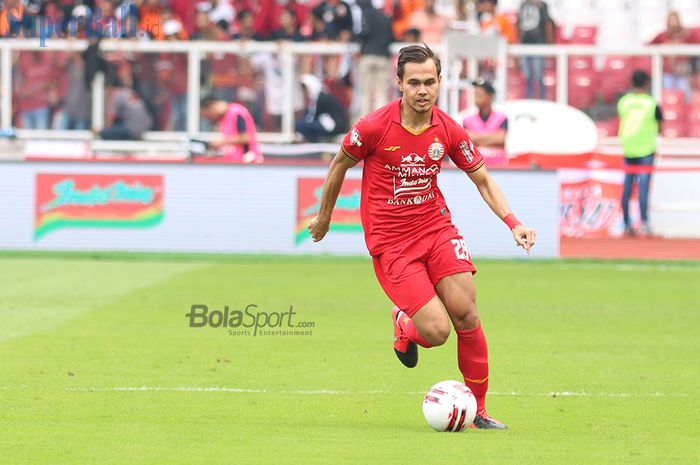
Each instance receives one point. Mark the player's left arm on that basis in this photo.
(494, 198)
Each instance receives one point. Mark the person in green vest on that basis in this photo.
(640, 122)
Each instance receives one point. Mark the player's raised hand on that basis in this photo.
(524, 237)
(318, 227)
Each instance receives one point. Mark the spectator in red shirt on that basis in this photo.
(267, 18)
(35, 89)
(677, 69)
(288, 30)
(246, 27)
(185, 10)
(205, 29)
(172, 69)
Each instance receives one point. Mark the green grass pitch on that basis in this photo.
(591, 363)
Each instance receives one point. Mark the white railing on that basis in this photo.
(564, 52)
(288, 52)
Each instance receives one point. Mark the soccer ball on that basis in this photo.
(449, 406)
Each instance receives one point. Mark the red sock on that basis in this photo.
(473, 361)
(408, 327)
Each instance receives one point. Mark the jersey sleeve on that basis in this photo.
(359, 141)
(463, 152)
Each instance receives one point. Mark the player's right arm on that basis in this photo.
(319, 225)
(357, 144)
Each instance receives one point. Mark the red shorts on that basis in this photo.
(408, 274)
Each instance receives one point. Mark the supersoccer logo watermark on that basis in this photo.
(82, 23)
(249, 321)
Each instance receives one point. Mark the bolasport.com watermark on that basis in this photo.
(249, 321)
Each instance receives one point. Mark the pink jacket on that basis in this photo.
(228, 127)
(493, 156)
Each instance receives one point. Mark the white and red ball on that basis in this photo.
(449, 406)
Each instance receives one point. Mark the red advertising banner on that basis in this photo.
(590, 204)
(96, 201)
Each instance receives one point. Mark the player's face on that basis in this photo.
(420, 85)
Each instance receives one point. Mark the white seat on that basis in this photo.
(690, 15)
(682, 4)
(508, 5)
(577, 4)
(613, 6)
(578, 17)
(558, 9)
(617, 29)
(688, 10)
(659, 6)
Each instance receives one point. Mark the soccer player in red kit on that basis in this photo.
(419, 256)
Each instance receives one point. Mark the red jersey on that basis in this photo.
(400, 198)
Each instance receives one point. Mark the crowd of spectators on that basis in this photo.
(51, 90)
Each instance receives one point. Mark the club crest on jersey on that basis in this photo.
(467, 149)
(355, 137)
(436, 151)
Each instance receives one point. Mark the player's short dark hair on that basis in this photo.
(416, 54)
(640, 79)
(206, 102)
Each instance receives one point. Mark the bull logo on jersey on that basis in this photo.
(355, 137)
(436, 151)
(467, 149)
(412, 159)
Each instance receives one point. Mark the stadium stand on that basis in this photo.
(594, 83)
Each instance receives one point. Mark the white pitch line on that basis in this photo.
(349, 392)
(627, 267)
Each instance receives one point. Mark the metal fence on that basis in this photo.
(290, 59)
